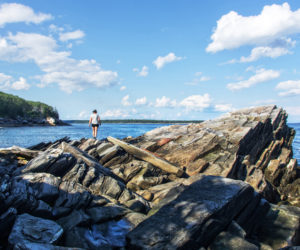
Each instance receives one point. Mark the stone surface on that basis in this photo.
(232, 238)
(98, 192)
(28, 228)
(252, 145)
(195, 217)
(281, 227)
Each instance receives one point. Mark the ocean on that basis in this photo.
(28, 136)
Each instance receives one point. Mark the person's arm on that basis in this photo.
(90, 121)
(99, 120)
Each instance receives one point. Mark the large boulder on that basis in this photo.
(30, 229)
(253, 145)
(195, 217)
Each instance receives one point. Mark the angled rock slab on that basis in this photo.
(28, 229)
(195, 217)
(147, 156)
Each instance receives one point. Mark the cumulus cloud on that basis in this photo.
(196, 102)
(289, 88)
(223, 107)
(261, 75)
(141, 101)
(266, 51)
(125, 101)
(15, 13)
(274, 22)
(164, 102)
(143, 72)
(115, 113)
(122, 88)
(7, 82)
(73, 35)
(161, 61)
(21, 84)
(58, 66)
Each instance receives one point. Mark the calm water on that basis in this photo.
(28, 136)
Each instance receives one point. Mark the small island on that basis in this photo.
(16, 112)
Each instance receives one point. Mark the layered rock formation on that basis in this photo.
(207, 185)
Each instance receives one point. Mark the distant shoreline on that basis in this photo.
(16, 125)
(137, 121)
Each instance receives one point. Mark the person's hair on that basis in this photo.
(94, 111)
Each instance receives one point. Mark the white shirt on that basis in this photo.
(94, 118)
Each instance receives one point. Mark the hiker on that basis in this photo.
(95, 121)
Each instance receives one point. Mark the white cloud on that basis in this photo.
(83, 115)
(274, 22)
(164, 102)
(7, 82)
(196, 102)
(73, 35)
(224, 107)
(125, 101)
(289, 88)
(141, 101)
(261, 75)
(161, 61)
(123, 88)
(115, 113)
(143, 72)
(58, 66)
(259, 52)
(15, 13)
(21, 84)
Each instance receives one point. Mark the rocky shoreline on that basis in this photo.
(7, 122)
(229, 183)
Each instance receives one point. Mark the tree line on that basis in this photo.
(15, 107)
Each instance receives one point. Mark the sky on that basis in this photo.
(140, 59)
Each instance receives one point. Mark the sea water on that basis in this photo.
(28, 136)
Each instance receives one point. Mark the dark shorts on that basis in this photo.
(95, 125)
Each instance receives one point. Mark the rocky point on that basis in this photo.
(228, 183)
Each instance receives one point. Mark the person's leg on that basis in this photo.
(96, 130)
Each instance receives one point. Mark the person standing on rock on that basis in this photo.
(95, 121)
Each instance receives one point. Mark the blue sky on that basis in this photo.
(152, 59)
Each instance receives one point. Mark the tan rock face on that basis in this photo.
(253, 145)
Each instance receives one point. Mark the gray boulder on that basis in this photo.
(30, 229)
(195, 217)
